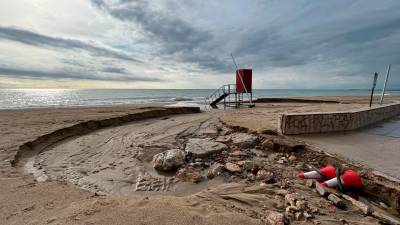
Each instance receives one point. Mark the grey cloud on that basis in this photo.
(114, 70)
(40, 40)
(57, 74)
(179, 39)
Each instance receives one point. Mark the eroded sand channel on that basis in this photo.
(117, 160)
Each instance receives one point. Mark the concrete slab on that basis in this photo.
(377, 146)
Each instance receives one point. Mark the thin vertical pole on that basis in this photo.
(373, 88)
(384, 86)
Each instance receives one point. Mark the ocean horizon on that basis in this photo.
(33, 98)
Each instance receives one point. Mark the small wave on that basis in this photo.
(181, 99)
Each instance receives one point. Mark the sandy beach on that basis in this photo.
(105, 174)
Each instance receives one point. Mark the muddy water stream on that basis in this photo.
(117, 160)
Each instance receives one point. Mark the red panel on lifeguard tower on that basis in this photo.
(246, 75)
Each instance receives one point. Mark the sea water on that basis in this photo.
(26, 98)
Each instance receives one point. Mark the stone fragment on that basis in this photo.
(264, 175)
(298, 215)
(336, 200)
(190, 174)
(215, 170)
(292, 158)
(169, 160)
(202, 148)
(282, 192)
(232, 167)
(275, 218)
(244, 140)
(310, 183)
(291, 199)
(238, 154)
(307, 215)
(288, 144)
(301, 204)
(209, 132)
(366, 209)
(268, 144)
(224, 139)
(321, 190)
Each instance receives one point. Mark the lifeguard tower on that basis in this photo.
(240, 90)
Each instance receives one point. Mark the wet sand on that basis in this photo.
(73, 194)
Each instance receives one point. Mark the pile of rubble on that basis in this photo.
(262, 160)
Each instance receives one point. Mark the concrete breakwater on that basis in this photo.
(315, 122)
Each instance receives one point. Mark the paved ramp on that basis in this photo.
(377, 146)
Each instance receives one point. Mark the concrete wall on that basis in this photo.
(304, 123)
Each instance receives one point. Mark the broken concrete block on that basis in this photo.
(336, 201)
(310, 183)
(366, 209)
(321, 190)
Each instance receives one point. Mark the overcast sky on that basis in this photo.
(187, 44)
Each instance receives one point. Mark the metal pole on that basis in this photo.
(373, 88)
(384, 86)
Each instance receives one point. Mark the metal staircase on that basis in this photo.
(221, 94)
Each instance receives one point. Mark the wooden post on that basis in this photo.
(384, 85)
(373, 88)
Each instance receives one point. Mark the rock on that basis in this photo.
(280, 161)
(224, 139)
(264, 175)
(321, 190)
(298, 215)
(291, 199)
(288, 144)
(282, 192)
(259, 153)
(301, 205)
(366, 209)
(190, 174)
(244, 140)
(310, 183)
(269, 144)
(307, 215)
(225, 131)
(250, 177)
(202, 148)
(292, 158)
(238, 154)
(275, 218)
(336, 200)
(231, 167)
(215, 170)
(169, 160)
